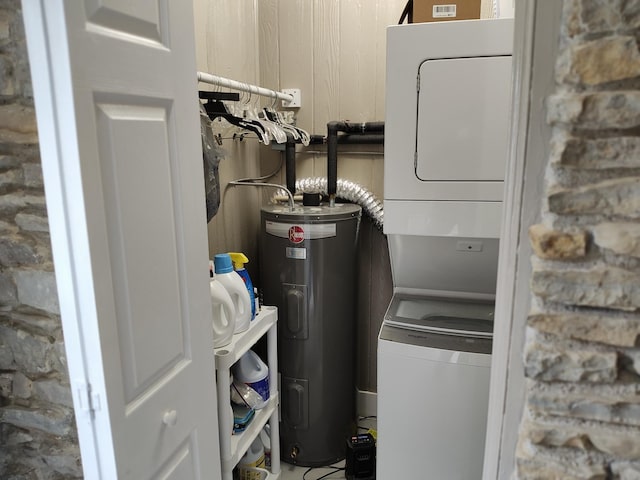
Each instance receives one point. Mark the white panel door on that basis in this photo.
(115, 90)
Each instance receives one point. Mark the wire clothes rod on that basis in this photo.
(243, 87)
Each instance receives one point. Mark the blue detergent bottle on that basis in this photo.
(239, 259)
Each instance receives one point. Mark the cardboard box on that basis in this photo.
(443, 10)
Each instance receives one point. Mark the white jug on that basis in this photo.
(253, 459)
(224, 314)
(232, 282)
(250, 369)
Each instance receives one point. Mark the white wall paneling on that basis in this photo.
(227, 45)
(269, 53)
(295, 66)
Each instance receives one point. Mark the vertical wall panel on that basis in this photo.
(357, 77)
(326, 55)
(487, 8)
(269, 53)
(231, 39)
(357, 60)
(227, 42)
(389, 12)
(295, 35)
(326, 50)
(232, 54)
(200, 10)
(268, 43)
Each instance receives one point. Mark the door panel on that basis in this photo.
(133, 144)
(120, 138)
(140, 18)
(180, 465)
(463, 119)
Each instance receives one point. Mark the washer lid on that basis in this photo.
(451, 316)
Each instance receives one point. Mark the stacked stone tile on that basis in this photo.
(38, 437)
(582, 351)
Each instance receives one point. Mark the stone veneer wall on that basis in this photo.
(582, 355)
(38, 437)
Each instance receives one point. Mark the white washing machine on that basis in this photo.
(446, 137)
(434, 360)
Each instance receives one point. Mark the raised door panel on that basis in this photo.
(144, 19)
(134, 143)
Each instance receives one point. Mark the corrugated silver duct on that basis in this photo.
(346, 190)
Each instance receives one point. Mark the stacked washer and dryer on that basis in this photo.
(446, 139)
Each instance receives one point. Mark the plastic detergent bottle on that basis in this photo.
(254, 458)
(224, 313)
(239, 259)
(265, 438)
(250, 369)
(232, 282)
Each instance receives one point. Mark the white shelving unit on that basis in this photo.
(233, 447)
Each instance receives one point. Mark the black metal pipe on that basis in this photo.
(332, 148)
(363, 128)
(332, 158)
(290, 163)
(368, 139)
(350, 139)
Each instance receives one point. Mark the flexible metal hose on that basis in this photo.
(346, 190)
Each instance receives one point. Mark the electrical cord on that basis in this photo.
(335, 469)
(365, 418)
(264, 177)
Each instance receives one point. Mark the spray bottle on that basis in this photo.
(239, 259)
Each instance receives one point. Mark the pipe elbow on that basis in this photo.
(335, 126)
